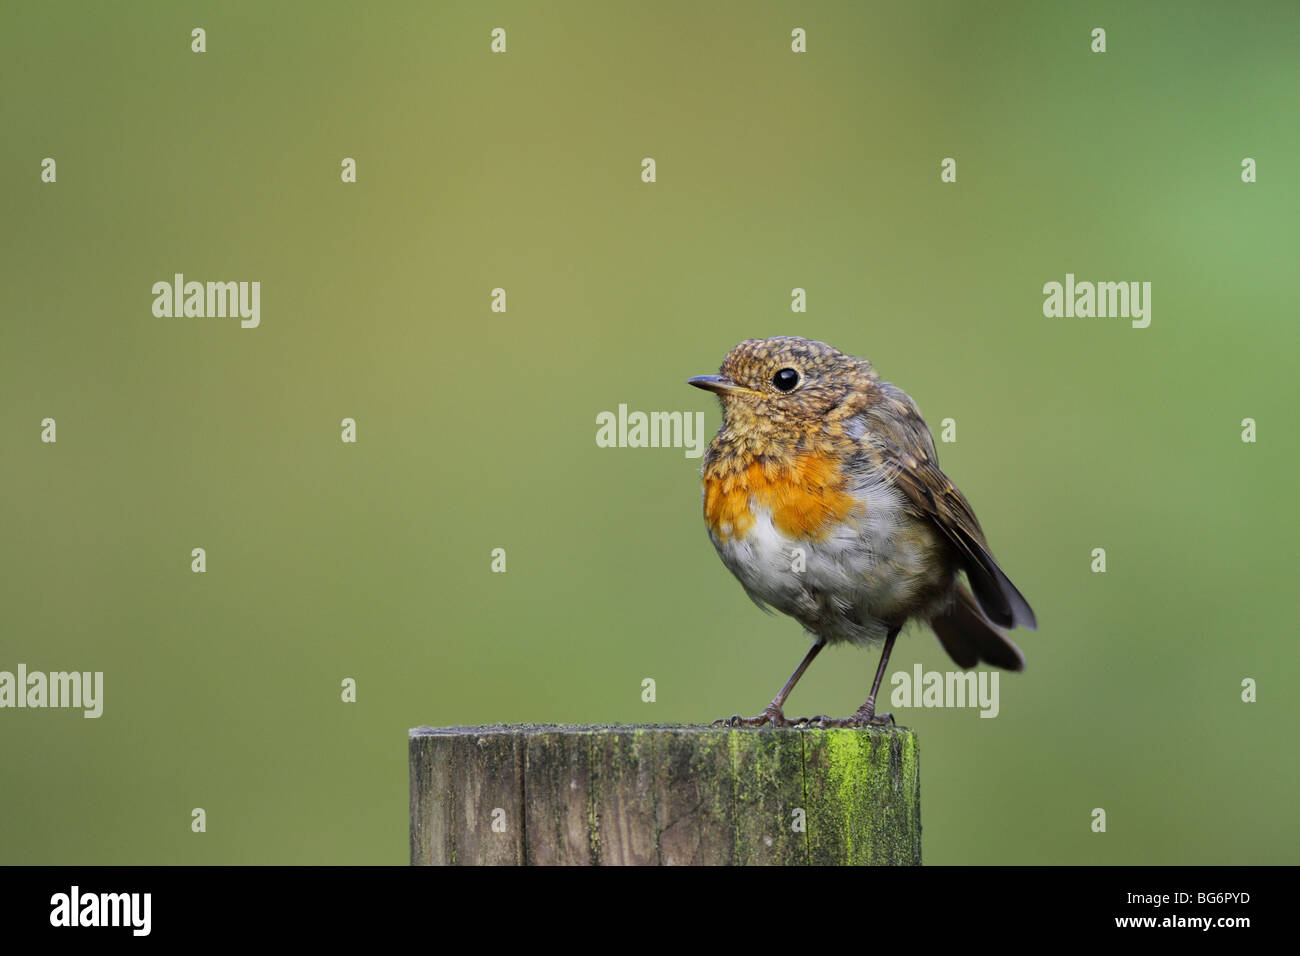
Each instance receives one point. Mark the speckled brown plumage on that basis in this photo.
(820, 463)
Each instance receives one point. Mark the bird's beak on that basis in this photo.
(719, 384)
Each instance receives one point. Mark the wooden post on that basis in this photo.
(656, 795)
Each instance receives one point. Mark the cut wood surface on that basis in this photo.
(554, 794)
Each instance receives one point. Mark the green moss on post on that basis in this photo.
(768, 783)
(663, 795)
(865, 792)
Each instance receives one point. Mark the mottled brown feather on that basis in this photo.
(905, 449)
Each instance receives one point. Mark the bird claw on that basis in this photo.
(771, 714)
(859, 719)
(805, 721)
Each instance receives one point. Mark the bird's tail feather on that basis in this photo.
(969, 638)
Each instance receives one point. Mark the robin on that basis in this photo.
(823, 496)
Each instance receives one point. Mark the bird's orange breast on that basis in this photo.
(806, 496)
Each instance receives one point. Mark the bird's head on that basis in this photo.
(786, 382)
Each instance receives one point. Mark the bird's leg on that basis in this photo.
(866, 716)
(772, 713)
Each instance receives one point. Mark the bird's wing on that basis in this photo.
(898, 439)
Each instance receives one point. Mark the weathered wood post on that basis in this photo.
(625, 794)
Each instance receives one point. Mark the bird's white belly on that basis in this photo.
(852, 584)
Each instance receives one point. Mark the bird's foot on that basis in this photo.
(771, 714)
(862, 717)
(809, 721)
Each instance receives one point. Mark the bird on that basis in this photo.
(823, 495)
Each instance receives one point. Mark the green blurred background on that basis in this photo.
(477, 430)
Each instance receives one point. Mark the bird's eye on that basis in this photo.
(785, 380)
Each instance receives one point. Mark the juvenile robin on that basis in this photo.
(823, 496)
